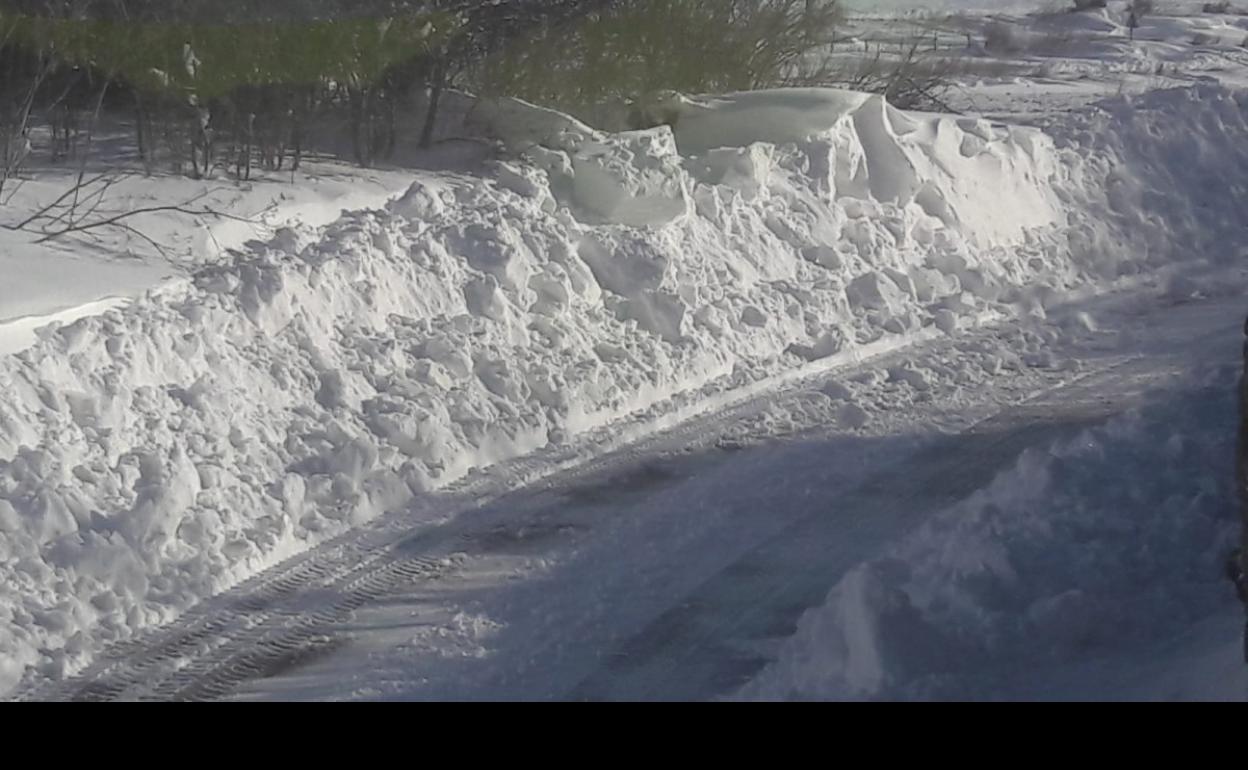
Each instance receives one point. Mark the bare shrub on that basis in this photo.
(626, 51)
(1136, 12)
(1001, 37)
(912, 80)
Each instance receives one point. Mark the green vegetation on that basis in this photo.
(209, 96)
(632, 50)
(187, 80)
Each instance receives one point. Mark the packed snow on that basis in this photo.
(1090, 570)
(170, 432)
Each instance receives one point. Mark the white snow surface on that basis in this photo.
(66, 279)
(1055, 582)
(159, 452)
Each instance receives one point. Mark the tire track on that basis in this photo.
(717, 638)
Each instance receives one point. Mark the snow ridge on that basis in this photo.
(158, 453)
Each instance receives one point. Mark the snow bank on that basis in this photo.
(1057, 581)
(156, 454)
(1160, 179)
(990, 183)
(39, 286)
(64, 280)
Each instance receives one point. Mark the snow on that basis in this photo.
(934, 6)
(61, 281)
(1057, 581)
(172, 427)
(989, 183)
(664, 569)
(57, 287)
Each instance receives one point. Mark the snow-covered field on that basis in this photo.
(175, 423)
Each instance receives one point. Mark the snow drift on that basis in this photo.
(156, 454)
(1054, 582)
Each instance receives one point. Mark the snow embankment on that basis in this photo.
(70, 278)
(1161, 182)
(1093, 567)
(155, 454)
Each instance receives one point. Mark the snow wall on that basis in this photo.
(159, 453)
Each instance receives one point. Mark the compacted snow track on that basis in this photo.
(720, 636)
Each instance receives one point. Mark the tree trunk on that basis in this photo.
(431, 115)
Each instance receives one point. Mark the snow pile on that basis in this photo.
(72, 278)
(1112, 542)
(1162, 180)
(987, 182)
(156, 454)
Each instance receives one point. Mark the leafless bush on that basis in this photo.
(1001, 37)
(1136, 12)
(19, 88)
(913, 79)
